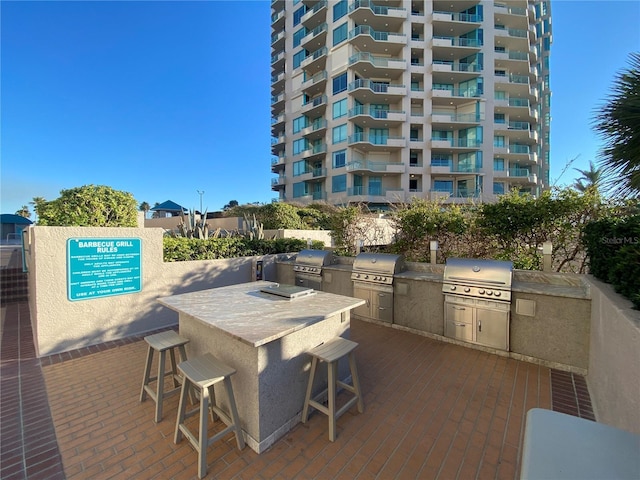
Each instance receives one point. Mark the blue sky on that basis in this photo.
(162, 99)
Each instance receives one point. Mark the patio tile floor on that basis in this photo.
(432, 410)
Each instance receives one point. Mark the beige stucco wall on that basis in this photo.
(614, 360)
(60, 324)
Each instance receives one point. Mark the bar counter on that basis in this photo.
(265, 338)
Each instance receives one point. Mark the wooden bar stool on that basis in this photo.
(202, 373)
(330, 353)
(162, 342)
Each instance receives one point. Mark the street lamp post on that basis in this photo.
(200, 192)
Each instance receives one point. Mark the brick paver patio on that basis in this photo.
(433, 410)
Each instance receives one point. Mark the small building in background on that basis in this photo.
(12, 226)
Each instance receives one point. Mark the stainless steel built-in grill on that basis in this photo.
(372, 277)
(308, 267)
(477, 301)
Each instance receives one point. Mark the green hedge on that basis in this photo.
(183, 249)
(613, 246)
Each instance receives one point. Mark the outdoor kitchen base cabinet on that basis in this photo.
(477, 321)
(379, 300)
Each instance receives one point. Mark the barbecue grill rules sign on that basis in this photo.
(103, 267)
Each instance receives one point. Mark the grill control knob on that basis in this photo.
(489, 292)
(453, 287)
(481, 291)
(366, 277)
(467, 289)
(497, 294)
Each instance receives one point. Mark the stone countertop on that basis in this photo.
(254, 317)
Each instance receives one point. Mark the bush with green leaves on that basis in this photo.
(179, 249)
(89, 206)
(613, 246)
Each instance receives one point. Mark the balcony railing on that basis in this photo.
(314, 102)
(379, 36)
(519, 172)
(460, 142)
(375, 87)
(382, 62)
(519, 125)
(456, 41)
(376, 9)
(457, 17)
(456, 92)
(313, 33)
(513, 32)
(373, 139)
(515, 148)
(365, 110)
(373, 166)
(460, 67)
(456, 117)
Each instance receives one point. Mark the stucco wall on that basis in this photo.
(60, 324)
(614, 360)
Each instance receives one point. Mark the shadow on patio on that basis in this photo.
(432, 410)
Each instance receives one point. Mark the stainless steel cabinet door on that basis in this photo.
(492, 328)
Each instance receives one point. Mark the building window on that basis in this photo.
(300, 168)
(443, 186)
(498, 164)
(298, 36)
(299, 123)
(340, 83)
(500, 95)
(300, 189)
(339, 134)
(441, 160)
(299, 146)
(299, 57)
(499, 118)
(498, 188)
(297, 15)
(339, 159)
(498, 141)
(340, 108)
(340, 34)
(339, 183)
(339, 10)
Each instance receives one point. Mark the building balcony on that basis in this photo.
(277, 40)
(316, 16)
(374, 142)
(368, 65)
(369, 91)
(454, 23)
(454, 47)
(277, 125)
(315, 38)
(315, 152)
(460, 120)
(277, 61)
(277, 83)
(315, 84)
(277, 21)
(375, 167)
(277, 101)
(453, 97)
(443, 71)
(278, 182)
(512, 38)
(278, 163)
(455, 143)
(365, 38)
(316, 130)
(452, 168)
(363, 115)
(514, 85)
(315, 107)
(379, 17)
(315, 61)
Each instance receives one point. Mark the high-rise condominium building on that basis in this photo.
(380, 101)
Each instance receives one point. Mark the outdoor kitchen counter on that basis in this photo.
(266, 339)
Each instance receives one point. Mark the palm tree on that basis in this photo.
(36, 202)
(590, 179)
(24, 212)
(618, 123)
(144, 207)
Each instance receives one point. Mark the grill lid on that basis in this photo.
(496, 274)
(378, 263)
(313, 258)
